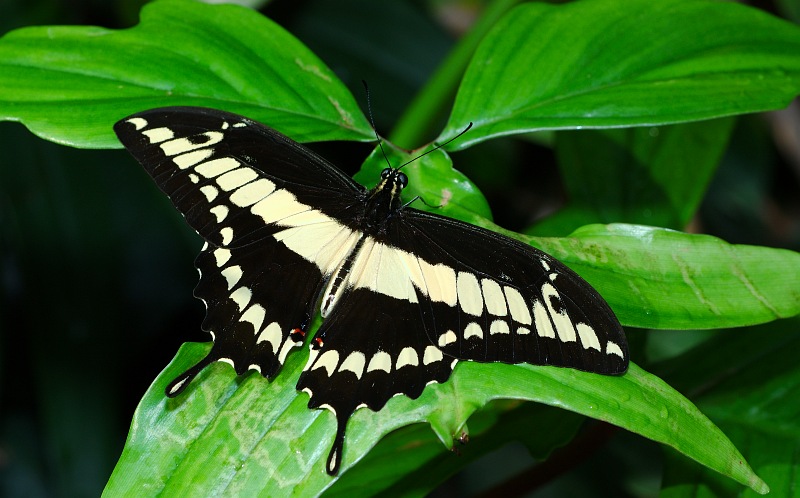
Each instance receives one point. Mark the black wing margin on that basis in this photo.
(240, 185)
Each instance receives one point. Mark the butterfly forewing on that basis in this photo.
(216, 167)
(404, 294)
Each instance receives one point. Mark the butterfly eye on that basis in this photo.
(402, 179)
(385, 173)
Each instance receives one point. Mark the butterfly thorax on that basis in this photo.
(383, 201)
(380, 208)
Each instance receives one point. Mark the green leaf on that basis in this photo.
(658, 278)
(249, 436)
(650, 176)
(754, 398)
(606, 63)
(70, 84)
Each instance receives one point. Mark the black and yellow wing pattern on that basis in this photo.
(404, 294)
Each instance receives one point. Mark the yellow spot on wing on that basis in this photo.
(232, 275)
(613, 348)
(432, 355)
(181, 145)
(138, 123)
(493, 297)
(407, 357)
(587, 336)
(327, 360)
(216, 167)
(158, 135)
(380, 361)
(470, 298)
(252, 193)
(272, 334)
(354, 362)
(448, 337)
(191, 158)
(473, 330)
(255, 316)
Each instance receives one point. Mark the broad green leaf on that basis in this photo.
(748, 382)
(658, 278)
(71, 84)
(249, 436)
(649, 176)
(611, 63)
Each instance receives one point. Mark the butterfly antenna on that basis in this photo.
(380, 141)
(372, 121)
(438, 146)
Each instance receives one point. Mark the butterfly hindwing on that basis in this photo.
(371, 349)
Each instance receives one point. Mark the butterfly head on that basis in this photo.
(388, 189)
(394, 180)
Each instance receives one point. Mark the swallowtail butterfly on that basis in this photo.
(404, 294)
